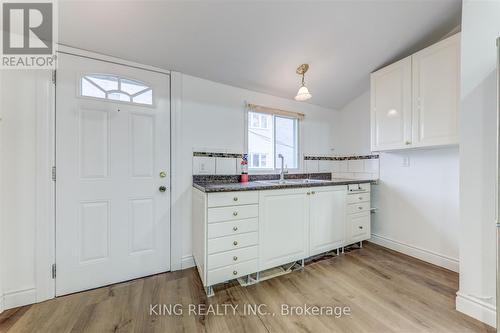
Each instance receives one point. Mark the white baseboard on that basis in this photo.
(417, 252)
(476, 308)
(17, 298)
(187, 262)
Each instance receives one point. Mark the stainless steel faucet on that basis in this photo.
(282, 173)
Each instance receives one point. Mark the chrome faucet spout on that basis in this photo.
(282, 172)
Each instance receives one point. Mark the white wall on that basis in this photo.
(26, 186)
(417, 205)
(354, 132)
(213, 118)
(480, 28)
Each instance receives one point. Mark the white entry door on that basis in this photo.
(113, 173)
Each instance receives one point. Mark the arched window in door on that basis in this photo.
(116, 88)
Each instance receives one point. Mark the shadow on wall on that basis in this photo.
(417, 203)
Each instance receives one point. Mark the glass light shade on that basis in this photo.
(303, 94)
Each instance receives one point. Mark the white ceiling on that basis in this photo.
(257, 45)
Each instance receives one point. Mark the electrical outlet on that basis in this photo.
(406, 162)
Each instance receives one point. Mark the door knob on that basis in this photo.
(163, 174)
(162, 189)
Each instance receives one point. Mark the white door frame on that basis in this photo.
(45, 233)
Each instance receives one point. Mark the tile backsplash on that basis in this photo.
(355, 167)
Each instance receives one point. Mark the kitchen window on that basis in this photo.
(269, 135)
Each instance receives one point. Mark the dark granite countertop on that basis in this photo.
(209, 184)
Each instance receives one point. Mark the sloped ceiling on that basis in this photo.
(257, 45)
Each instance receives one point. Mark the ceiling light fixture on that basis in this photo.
(303, 93)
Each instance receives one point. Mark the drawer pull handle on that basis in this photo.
(235, 243)
(360, 227)
(235, 228)
(235, 258)
(235, 213)
(235, 273)
(313, 192)
(235, 199)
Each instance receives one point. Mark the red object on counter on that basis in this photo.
(244, 178)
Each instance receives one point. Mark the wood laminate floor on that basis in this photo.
(384, 290)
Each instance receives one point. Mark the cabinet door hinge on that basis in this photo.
(54, 271)
(54, 173)
(54, 76)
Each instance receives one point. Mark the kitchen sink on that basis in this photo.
(306, 181)
(291, 181)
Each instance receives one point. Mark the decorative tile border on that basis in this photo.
(209, 154)
(306, 157)
(340, 158)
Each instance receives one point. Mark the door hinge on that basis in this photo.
(54, 173)
(54, 77)
(54, 271)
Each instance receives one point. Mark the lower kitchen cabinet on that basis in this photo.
(358, 227)
(283, 226)
(326, 219)
(240, 233)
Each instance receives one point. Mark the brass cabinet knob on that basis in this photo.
(360, 207)
(235, 258)
(235, 243)
(360, 227)
(308, 193)
(235, 199)
(235, 228)
(313, 192)
(235, 273)
(360, 198)
(408, 143)
(235, 213)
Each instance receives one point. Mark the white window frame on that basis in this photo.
(276, 168)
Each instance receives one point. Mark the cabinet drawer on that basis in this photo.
(359, 226)
(222, 229)
(219, 214)
(358, 208)
(232, 257)
(232, 198)
(356, 188)
(358, 197)
(231, 272)
(232, 242)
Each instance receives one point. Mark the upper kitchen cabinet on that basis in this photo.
(391, 106)
(414, 102)
(436, 89)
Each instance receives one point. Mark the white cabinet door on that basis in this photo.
(283, 226)
(358, 227)
(391, 106)
(436, 89)
(326, 218)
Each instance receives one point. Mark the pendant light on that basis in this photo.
(303, 93)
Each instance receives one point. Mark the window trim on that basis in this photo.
(298, 140)
(82, 75)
